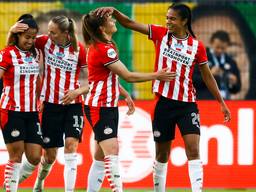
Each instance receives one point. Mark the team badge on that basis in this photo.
(111, 53)
(46, 140)
(156, 133)
(108, 130)
(15, 133)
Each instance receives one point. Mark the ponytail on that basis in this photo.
(72, 34)
(66, 24)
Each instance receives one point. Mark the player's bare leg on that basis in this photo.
(45, 167)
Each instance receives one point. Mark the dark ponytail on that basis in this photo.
(185, 13)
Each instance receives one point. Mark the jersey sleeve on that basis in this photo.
(156, 32)
(109, 55)
(41, 41)
(5, 60)
(201, 55)
(82, 56)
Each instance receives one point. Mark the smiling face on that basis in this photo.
(27, 39)
(56, 35)
(109, 26)
(174, 22)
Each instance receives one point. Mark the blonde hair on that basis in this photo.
(67, 24)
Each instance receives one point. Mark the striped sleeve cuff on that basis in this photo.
(2, 68)
(202, 63)
(84, 66)
(106, 64)
(150, 32)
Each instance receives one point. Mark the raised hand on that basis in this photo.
(18, 27)
(105, 10)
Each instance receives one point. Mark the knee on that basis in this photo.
(71, 145)
(192, 152)
(113, 150)
(50, 157)
(34, 160)
(162, 156)
(16, 156)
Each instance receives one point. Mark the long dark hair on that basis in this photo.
(91, 28)
(185, 13)
(30, 21)
(67, 24)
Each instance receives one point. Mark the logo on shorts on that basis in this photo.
(46, 140)
(15, 133)
(108, 130)
(79, 130)
(157, 133)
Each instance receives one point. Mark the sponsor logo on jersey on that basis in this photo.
(59, 54)
(28, 59)
(177, 56)
(179, 46)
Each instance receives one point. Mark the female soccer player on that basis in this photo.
(101, 102)
(19, 68)
(178, 49)
(64, 58)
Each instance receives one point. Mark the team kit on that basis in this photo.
(52, 82)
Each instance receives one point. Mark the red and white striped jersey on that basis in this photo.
(104, 85)
(61, 69)
(19, 79)
(180, 55)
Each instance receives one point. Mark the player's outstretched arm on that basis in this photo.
(213, 88)
(132, 77)
(123, 19)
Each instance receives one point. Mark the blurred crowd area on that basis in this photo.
(236, 18)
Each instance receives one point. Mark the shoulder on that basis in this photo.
(158, 28)
(42, 39)
(107, 48)
(81, 47)
(7, 50)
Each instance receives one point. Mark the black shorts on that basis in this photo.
(59, 120)
(21, 126)
(104, 121)
(169, 113)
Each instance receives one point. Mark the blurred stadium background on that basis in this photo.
(228, 150)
